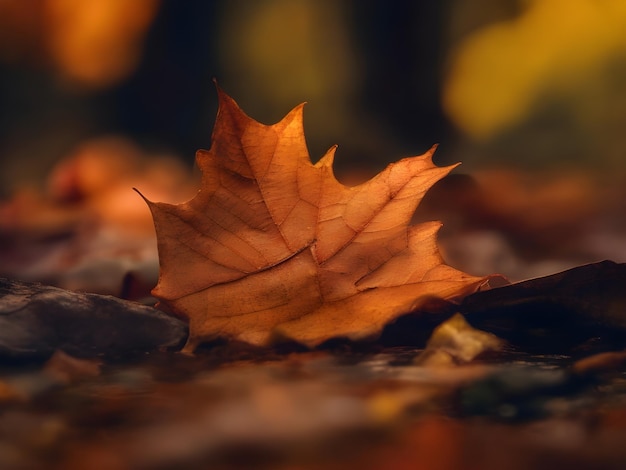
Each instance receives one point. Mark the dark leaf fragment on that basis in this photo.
(557, 313)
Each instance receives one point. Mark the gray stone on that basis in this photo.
(36, 320)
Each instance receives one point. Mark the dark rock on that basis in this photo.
(36, 320)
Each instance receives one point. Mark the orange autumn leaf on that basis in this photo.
(273, 246)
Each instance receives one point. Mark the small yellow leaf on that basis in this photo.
(456, 342)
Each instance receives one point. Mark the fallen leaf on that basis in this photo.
(86, 231)
(273, 246)
(456, 342)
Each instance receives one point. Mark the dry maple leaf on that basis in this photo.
(273, 246)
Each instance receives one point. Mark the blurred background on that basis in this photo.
(528, 94)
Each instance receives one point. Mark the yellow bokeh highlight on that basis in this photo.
(277, 53)
(500, 72)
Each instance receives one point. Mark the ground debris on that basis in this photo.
(317, 409)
